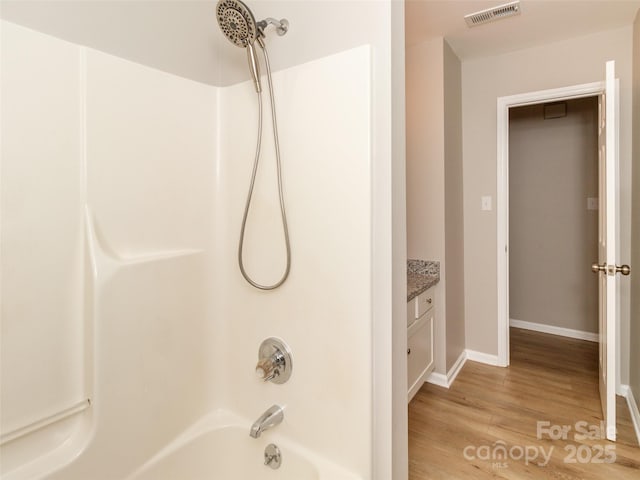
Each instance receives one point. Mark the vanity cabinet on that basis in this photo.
(420, 315)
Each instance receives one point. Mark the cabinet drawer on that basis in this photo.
(424, 302)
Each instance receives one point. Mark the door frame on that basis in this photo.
(502, 192)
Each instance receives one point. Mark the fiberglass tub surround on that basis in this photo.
(166, 333)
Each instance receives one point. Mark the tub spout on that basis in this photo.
(268, 419)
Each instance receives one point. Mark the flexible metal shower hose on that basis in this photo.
(253, 179)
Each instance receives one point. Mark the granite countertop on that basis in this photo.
(421, 275)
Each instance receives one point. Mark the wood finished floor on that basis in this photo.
(550, 379)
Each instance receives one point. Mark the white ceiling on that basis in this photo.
(540, 21)
(182, 36)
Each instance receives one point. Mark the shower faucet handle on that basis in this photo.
(267, 368)
(274, 361)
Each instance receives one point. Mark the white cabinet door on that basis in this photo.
(419, 352)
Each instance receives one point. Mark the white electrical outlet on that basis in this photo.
(592, 203)
(486, 203)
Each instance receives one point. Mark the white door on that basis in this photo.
(607, 238)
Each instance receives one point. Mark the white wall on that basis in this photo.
(425, 150)
(127, 321)
(426, 171)
(434, 185)
(149, 168)
(571, 62)
(41, 233)
(453, 206)
(323, 311)
(553, 170)
(150, 139)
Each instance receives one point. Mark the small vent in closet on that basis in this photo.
(491, 14)
(555, 110)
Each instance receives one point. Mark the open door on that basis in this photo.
(607, 241)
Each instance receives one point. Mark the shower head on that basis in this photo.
(236, 22)
(239, 26)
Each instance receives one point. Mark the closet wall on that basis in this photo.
(553, 171)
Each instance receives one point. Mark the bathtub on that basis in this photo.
(219, 447)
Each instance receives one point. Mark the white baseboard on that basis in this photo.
(482, 357)
(456, 367)
(447, 380)
(626, 392)
(439, 379)
(564, 332)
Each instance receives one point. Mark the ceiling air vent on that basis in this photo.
(491, 14)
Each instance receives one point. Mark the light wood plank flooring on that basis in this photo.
(552, 379)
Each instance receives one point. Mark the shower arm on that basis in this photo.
(282, 26)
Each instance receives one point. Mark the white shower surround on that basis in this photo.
(172, 330)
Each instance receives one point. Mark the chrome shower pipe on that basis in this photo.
(282, 26)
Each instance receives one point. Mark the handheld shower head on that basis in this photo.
(236, 22)
(239, 26)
